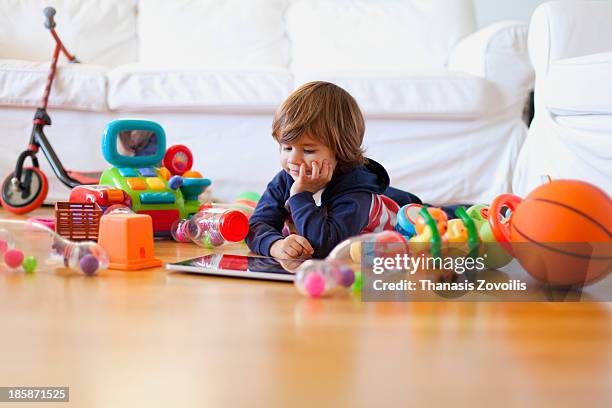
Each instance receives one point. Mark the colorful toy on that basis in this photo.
(467, 227)
(33, 246)
(561, 233)
(128, 239)
(430, 225)
(496, 257)
(212, 227)
(406, 218)
(437, 235)
(165, 195)
(104, 196)
(77, 221)
(26, 188)
(315, 278)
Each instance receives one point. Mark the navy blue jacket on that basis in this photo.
(344, 210)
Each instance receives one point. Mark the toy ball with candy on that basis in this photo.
(32, 246)
(316, 278)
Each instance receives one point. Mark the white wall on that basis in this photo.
(489, 11)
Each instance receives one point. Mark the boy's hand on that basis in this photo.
(294, 246)
(290, 265)
(319, 178)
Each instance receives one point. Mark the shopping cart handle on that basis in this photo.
(49, 12)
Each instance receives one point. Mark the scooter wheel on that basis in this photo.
(30, 196)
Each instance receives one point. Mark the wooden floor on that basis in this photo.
(158, 339)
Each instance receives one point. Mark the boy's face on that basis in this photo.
(305, 150)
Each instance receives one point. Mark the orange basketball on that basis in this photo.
(561, 233)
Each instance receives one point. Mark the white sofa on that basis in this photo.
(570, 43)
(442, 101)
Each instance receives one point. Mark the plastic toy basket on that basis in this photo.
(77, 221)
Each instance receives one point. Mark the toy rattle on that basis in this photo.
(44, 248)
(212, 227)
(316, 278)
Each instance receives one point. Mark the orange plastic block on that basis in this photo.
(128, 240)
(164, 173)
(192, 174)
(135, 183)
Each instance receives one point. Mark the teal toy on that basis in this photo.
(406, 218)
(135, 149)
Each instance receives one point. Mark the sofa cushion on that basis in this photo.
(97, 32)
(417, 94)
(347, 35)
(141, 88)
(213, 33)
(579, 86)
(76, 86)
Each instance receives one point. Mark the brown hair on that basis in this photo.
(328, 114)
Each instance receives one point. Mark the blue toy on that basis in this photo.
(406, 218)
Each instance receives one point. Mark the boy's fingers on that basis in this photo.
(304, 243)
(315, 171)
(321, 170)
(291, 248)
(325, 170)
(294, 245)
(302, 174)
(291, 252)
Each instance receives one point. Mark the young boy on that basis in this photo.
(327, 190)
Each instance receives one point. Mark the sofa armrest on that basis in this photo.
(499, 54)
(579, 86)
(568, 29)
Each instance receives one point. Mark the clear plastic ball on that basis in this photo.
(315, 278)
(87, 257)
(7, 241)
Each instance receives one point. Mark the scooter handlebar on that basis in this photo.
(49, 12)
